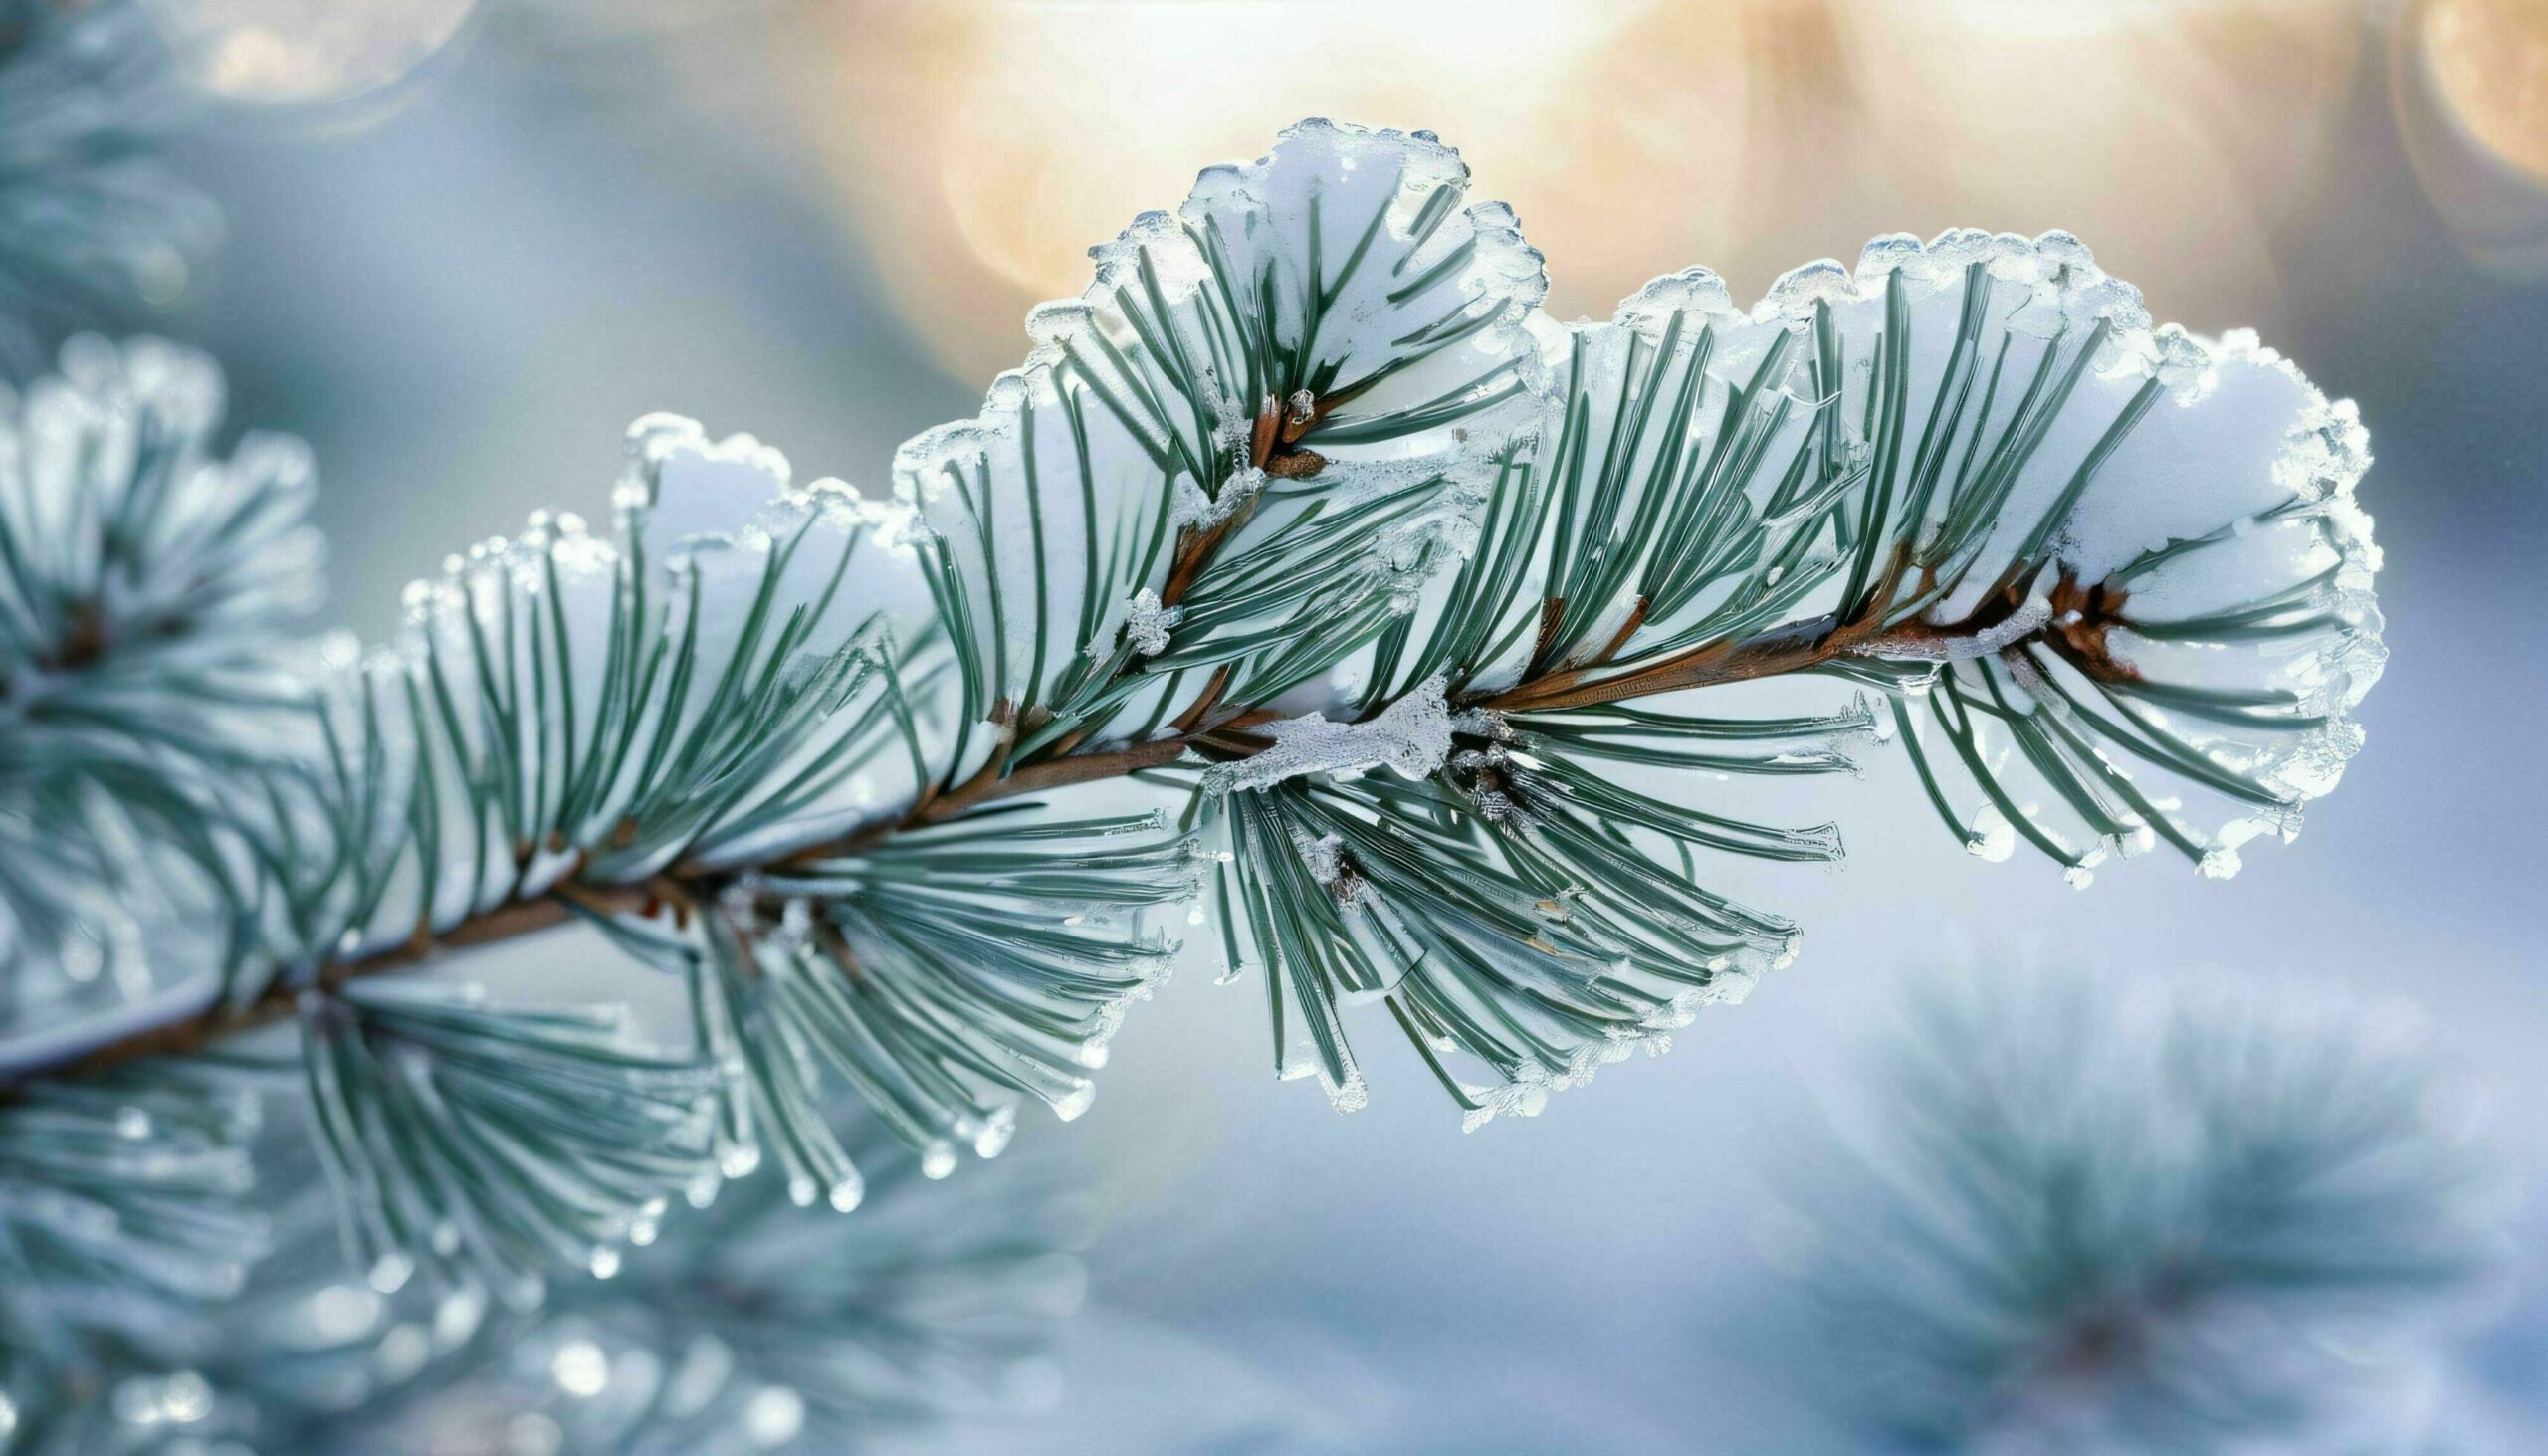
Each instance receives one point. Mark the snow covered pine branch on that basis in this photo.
(1307, 587)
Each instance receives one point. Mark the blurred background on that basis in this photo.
(468, 241)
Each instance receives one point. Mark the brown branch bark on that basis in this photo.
(1784, 650)
(1220, 730)
(505, 923)
(681, 892)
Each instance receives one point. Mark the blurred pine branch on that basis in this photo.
(2153, 1215)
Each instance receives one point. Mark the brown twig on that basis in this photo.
(1222, 731)
(503, 922)
(2082, 617)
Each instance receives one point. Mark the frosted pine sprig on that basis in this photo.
(1307, 588)
(129, 544)
(151, 586)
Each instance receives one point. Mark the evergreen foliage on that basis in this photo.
(740, 1322)
(2072, 1213)
(91, 216)
(1306, 588)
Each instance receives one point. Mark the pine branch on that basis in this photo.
(691, 885)
(2133, 1214)
(148, 587)
(1397, 607)
(96, 218)
(738, 1318)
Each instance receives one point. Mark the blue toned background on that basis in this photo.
(469, 244)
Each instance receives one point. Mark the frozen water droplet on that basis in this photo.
(185, 1397)
(605, 1261)
(739, 1160)
(1798, 290)
(580, 1369)
(342, 1311)
(133, 1122)
(997, 1130)
(136, 1402)
(1992, 836)
(1696, 291)
(402, 1353)
(1352, 1095)
(1884, 255)
(938, 1160)
(458, 1316)
(82, 958)
(528, 1291)
(701, 1191)
(1070, 1105)
(848, 1193)
(774, 1417)
(391, 1271)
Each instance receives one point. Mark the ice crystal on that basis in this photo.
(1147, 623)
(1411, 737)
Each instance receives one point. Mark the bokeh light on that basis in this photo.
(2489, 62)
(305, 52)
(976, 148)
(2469, 81)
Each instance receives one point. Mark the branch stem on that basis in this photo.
(1220, 731)
(506, 922)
